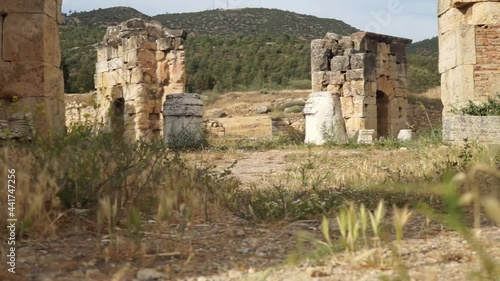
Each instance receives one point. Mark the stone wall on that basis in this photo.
(370, 72)
(30, 56)
(138, 64)
(469, 56)
(81, 109)
(484, 129)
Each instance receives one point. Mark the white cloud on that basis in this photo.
(405, 18)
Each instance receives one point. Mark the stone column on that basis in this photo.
(469, 52)
(469, 64)
(31, 82)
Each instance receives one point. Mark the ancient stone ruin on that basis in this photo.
(469, 63)
(369, 71)
(31, 83)
(138, 64)
(183, 120)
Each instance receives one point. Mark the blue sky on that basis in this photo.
(405, 18)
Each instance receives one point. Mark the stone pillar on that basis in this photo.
(324, 120)
(138, 64)
(469, 58)
(469, 52)
(31, 82)
(183, 120)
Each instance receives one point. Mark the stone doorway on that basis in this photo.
(118, 118)
(383, 120)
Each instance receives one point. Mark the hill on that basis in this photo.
(427, 47)
(103, 17)
(228, 50)
(254, 21)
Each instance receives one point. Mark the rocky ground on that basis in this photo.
(230, 248)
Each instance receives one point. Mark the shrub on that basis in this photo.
(489, 108)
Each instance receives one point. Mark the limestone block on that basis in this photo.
(443, 6)
(465, 45)
(393, 68)
(101, 67)
(324, 119)
(340, 63)
(382, 68)
(332, 36)
(136, 75)
(177, 68)
(31, 79)
(173, 88)
(370, 112)
(318, 80)
(346, 43)
(148, 45)
(365, 136)
(353, 88)
(146, 55)
(168, 44)
(364, 45)
(353, 125)
(335, 78)
(135, 92)
(130, 56)
(387, 86)
(160, 55)
(132, 43)
(358, 61)
(457, 87)
(485, 13)
(483, 129)
(115, 64)
(402, 69)
(162, 73)
(103, 53)
(371, 89)
(355, 74)
(450, 19)
(334, 88)
(31, 37)
(50, 8)
(321, 49)
(183, 119)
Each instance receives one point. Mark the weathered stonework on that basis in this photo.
(80, 109)
(483, 129)
(30, 56)
(138, 64)
(469, 56)
(183, 120)
(370, 72)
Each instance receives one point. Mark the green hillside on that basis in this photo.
(245, 49)
(254, 21)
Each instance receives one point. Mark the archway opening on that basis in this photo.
(383, 126)
(118, 118)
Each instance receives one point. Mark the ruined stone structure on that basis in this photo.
(80, 109)
(370, 72)
(469, 63)
(138, 64)
(31, 83)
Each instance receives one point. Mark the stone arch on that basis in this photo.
(383, 118)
